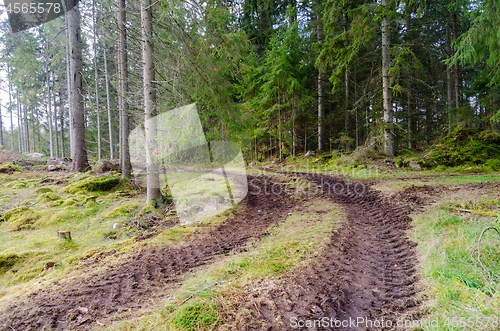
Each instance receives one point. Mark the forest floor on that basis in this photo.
(302, 250)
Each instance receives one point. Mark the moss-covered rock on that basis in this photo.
(70, 202)
(93, 185)
(7, 261)
(20, 218)
(43, 190)
(48, 197)
(9, 168)
(466, 146)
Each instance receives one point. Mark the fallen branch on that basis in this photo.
(203, 289)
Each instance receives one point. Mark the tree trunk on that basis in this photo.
(125, 153)
(321, 97)
(70, 99)
(387, 92)
(56, 130)
(110, 124)
(10, 109)
(409, 88)
(20, 140)
(77, 116)
(347, 120)
(96, 80)
(153, 178)
(61, 118)
(49, 105)
(1, 129)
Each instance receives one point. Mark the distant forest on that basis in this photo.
(278, 77)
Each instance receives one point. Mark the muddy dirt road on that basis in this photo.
(83, 303)
(368, 271)
(368, 274)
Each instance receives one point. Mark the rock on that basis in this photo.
(309, 154)
(35, 155)
(106, 166)
(210, 208)
(82, 310)
(118, 225)
(52, 168)
(317, 160)
(414, 165)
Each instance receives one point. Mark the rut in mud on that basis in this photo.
(80, 304)
(368, 272)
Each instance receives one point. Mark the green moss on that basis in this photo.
(70, 202)
(7, 261)
(467, 147)
(43, 190)
(20, 218)
(8, 168)
(93, 185)
(48, 197)
(149, 209)
(123, 210)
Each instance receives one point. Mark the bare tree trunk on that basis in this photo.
(77, 116)
(96, 86)
(1, 129)
(49, 104)
(153, 178)
(125, 153)
(56, 130)
(347, 119)
(110, 124)
(409, 90)
(70, 99)
(20, 140)
(10, 109)
(61, 118)
(387, 92)
(321, 97)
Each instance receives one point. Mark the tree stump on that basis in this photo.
(64, 235)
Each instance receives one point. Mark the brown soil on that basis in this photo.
(82, 303)
(368, 272)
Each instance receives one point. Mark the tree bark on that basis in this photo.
(108, 100)
(386, 84)
(61, 118)
(20, 140)
(77, 116)
(96, 80)
(1, 129)
(321, 97)
(70, 99)
(153, 178)
(49, 105)
(11, 111)
(124, 148)
(347, 119)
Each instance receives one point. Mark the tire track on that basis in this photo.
(369, 272)
(79, 303)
